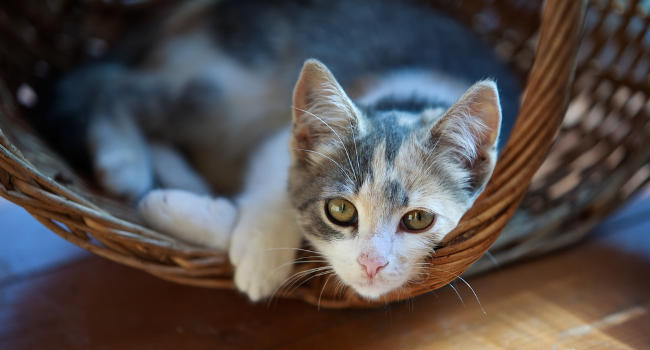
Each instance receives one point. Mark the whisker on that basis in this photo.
(463, 280)
(282, 285)
(330, 159)
(356, 152)
(478, 301)
(458, 294)
(296, 286)
(428, 158)
(299, 249)
(289, 281)
(475, 295)
(492, 258)
(323, 289)
(300, 274)
(340, 289)
(305, 273)
(335, 133)
(297, 261)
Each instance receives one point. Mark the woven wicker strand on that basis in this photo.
(600, 156)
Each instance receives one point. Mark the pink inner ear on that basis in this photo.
(484, 104)
(300, 94)
(301, 137)
(300, 104)
(473, 123)
(313, 75)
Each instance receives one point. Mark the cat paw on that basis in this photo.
(123, 173)
(260, 273)
(260, 269)
(196, 219)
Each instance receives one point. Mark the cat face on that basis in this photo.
(376, 189)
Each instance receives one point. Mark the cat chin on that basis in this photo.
(375, 290)
(370, 293)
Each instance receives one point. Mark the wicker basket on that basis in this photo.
(599, 159)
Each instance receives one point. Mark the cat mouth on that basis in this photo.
(374, 288)
(371, 289)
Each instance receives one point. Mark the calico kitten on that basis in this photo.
(373, 177)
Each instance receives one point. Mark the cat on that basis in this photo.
(372, 153)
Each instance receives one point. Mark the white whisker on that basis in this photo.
(296, 286)
(458, 294)
(492, 258)
(299, 249)
(356, 152)
(475, 295)
(337, 135)
(330, 159)
(323, 289)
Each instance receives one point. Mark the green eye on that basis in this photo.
(341, 212)
(417, 220)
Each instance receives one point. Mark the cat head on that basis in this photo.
(376, 190)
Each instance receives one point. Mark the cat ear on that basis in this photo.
(322, 111)
(469, 131)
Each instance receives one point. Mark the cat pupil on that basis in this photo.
(417, 220)
(340, 213)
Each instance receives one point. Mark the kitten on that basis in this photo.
(373, 181)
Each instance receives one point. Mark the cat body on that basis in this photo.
(391, 140)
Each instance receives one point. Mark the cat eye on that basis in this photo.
(341, 212)
(418, 220)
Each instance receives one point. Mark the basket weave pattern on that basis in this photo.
(600, 156)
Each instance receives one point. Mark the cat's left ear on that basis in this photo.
(322, 111)
(469, 131)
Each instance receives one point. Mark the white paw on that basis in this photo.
(260, 272)
(193, 218)
(263, 258)
(123, 173)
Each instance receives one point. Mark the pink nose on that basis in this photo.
(372, 264)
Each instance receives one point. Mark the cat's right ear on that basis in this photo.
(322, 111)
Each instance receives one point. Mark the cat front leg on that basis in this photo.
(264, 244)
(260, 230)
(266, 237)
(201, 220)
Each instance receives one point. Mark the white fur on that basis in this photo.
(379, 234)
(264, 239)
(200, 220)
(121, 159)
(464, 131)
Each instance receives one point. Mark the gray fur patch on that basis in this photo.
(396, 194)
